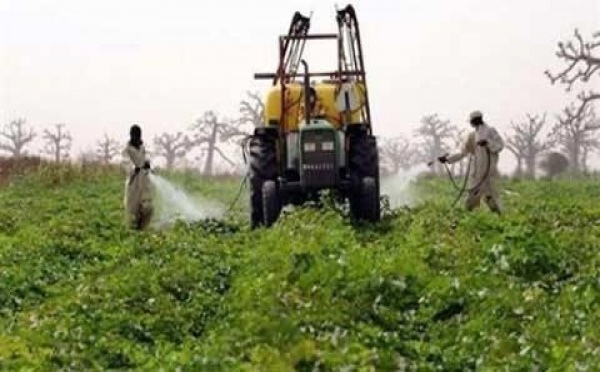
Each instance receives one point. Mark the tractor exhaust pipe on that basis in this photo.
(307, 108)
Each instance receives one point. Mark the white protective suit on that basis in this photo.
(138, 188)
(482, 181)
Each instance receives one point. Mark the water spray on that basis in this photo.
(175, 204)
(398, 187)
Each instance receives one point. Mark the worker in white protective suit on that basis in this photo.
(138, 189)
(485, 145)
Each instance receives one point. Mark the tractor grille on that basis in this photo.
(318, 168)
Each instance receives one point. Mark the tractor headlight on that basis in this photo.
(327, 146)
(310, 147)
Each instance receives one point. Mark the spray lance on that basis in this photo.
(137, 170)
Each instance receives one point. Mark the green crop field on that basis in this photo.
(429, 288)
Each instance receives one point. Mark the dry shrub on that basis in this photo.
(35, 169)
(11, 167)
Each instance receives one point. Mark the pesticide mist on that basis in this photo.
(400, 188)
(174, 204)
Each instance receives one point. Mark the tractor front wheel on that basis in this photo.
(369, 204)
(364, 176)
(263, 167)
(271, 202)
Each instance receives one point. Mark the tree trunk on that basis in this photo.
(530, 164)
(574, 157)
(519, 172)
(170, 161)
(437, 146)
(106, 156)
(584, 160)
(208, 166)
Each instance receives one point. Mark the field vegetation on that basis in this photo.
(428, 288)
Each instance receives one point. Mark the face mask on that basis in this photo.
(475, 123)
(135, 137)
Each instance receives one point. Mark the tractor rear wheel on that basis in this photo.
(263, 167)
(271, 202)
(364, 176)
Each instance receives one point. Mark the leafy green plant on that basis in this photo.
(428, 288)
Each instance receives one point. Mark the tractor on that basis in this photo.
(316, 135)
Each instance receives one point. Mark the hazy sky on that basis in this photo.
(100, 66)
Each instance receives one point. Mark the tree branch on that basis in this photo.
(582, 64)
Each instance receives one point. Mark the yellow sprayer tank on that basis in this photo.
(327, 94)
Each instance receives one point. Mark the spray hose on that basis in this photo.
(463, 189)
(244, 182)
(239, 194)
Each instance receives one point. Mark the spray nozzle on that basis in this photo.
(445, 157)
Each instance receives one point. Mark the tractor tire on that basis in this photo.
(363, 167)
(369, 204)
(271, 203)
(263, 167)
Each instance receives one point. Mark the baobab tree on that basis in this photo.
(582, 59)
(15, 137)
(58, 142)
(252, 110)
(577, 135)
(435, 132)
(172, 147)
(397, 154)
(211, 132)
(525, 143)
(107, 149)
